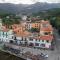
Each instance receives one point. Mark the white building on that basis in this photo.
(6, 36)
(20, 40)
(42, 42)
(24, 17)
(28, 26)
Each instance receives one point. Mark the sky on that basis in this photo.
(28, 1)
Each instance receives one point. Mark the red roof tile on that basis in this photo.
(44, 22)
(4, 29)
(46, 29)
(46, 37)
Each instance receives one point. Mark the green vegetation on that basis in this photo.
(34, 30)
(4, 13)
(9, 19)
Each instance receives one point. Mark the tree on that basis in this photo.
(8, 21)
(34, 30)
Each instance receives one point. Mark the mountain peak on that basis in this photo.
(25, 8)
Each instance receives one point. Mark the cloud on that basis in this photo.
(34, 0)
(17, 1)
(28, 1)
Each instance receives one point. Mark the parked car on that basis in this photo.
(44, 55)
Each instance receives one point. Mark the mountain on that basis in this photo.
(41, 7)
(11, 8)
(25, 8)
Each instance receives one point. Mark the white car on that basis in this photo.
(46, 55)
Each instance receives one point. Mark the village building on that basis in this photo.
(20, 33)
(40, 42)
(24, 17)
(36, 25)
(30, 25)
(45, 28)
(44, 38)
(6, 35)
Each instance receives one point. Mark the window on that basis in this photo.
(25, 39)
(3, 33)
(18, 30)
(46, 33)
(35, 25)
(31, 44)
(11, 41)
(42, 40)
(22, 38)
(49, 32)
(6, 35)
(39, 40)
(47, 41)
(12, 37)
(31, 39)
(42, 45)
(36, 44)
(36, 39)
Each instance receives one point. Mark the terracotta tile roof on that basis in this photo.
(25, 34)
(46, 29)
(49, 37)
(4, 29)
(46, 37)
(16, 29)
(44, 22)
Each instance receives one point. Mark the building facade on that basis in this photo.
(41, 42)
(42, 39)
(46, 28)
(6, 36)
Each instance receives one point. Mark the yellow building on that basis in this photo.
(35, 25)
